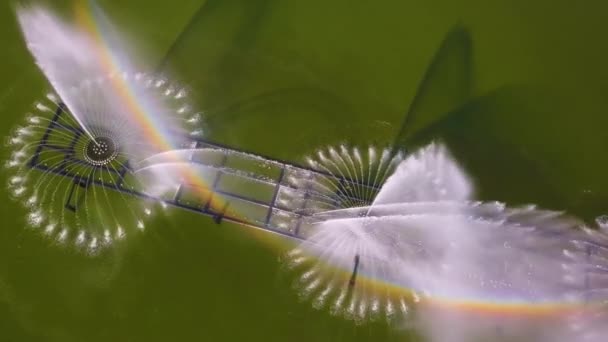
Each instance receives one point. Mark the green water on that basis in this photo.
(519, 94)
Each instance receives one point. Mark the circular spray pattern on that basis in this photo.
(423, 240)
(101, 151)
(74, 176)
(341, 177)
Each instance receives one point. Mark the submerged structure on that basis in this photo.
(61, 174)
(56, 166)
(381, 233)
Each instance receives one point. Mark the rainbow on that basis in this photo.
(143, 114)
(496, 308)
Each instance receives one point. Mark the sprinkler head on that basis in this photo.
(101, 151)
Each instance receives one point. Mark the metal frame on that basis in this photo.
(72, 202)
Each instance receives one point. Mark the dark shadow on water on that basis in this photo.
(500, 170)
(251, 12)
(518, 143)
(446, 84)
(501, 139)
(323, 101)
(216, 45)
(297, 107)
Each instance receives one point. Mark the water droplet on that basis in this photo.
(93, 244)
(81, 237)
(602, 222)
(50, 228)
(42, 107)
(61, 237)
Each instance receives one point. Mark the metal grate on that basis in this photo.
(263, 209)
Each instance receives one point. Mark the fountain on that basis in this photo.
(381, 234)
(424, 243)
(101, 117)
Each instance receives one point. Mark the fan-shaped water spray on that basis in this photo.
(345, 177)
(54, 164)
(422, 243)
(383, 236)
(101, 118)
